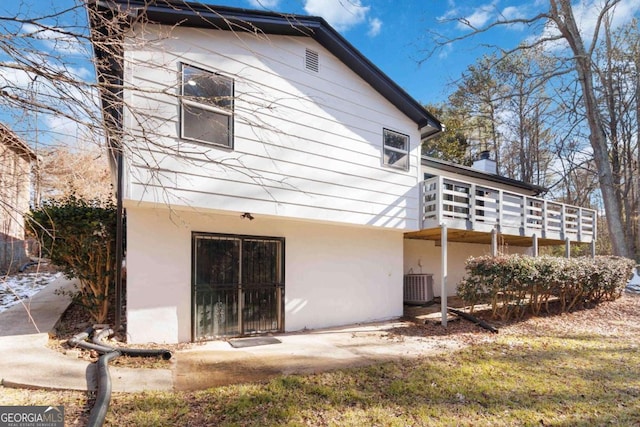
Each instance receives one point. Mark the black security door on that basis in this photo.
(238, 285)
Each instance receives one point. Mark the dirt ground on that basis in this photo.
(409, 338)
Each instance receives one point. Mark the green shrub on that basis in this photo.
(517, 284)
(78, 236)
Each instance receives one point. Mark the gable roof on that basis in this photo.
(11, 140)
(183, 13)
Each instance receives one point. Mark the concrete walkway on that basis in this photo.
(38, 314)
(26, 361)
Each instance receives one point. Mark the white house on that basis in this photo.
(272, 176)
(16, 161)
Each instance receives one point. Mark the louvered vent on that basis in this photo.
(311, 60)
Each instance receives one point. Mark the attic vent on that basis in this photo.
(311, 60)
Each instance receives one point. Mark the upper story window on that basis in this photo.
(207, 106)
(396, 149)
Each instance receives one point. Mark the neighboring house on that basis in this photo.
(15, 188)
(272, 175)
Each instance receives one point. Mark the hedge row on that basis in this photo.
(516, 284)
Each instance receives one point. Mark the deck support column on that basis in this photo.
(535, 245)
(494, 242)
(567, 248)
(443, 283)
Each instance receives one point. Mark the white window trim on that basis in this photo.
(397, 150)
(184, 100)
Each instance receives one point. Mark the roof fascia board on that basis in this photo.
(470, 172)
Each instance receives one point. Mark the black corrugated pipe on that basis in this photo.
(103, 397)
(132, 352)
(79, 340)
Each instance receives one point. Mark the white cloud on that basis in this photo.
(13, 77)
(445, 51)
(586, 15)
(512, 12)
(451, 13)
(55, 40)
(375, 26)
(340, 14)
(479, 17)
(55, 97)
(266, 4)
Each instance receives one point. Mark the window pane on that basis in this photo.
(396, 158)
(396, 149)
(217, 261)
(261, 262)
(395, 140)
(207, 87)
(205, 125)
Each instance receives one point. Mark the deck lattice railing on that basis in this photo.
(470, 206)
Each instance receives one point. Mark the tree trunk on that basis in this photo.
(562, 14)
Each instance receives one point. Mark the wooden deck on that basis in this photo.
(471, 211)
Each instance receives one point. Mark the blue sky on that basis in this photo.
(397, 34)
(394, 34)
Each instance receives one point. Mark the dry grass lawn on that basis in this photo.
(577, 369)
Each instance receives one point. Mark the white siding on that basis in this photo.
(334, 275)
(307, 145)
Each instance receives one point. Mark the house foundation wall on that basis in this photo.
(423, 257)
(334, 275)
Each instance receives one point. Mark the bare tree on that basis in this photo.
(478, 98)
(558, 25)
(528, 129)
(63, 171)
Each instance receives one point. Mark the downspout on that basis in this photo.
(110, 77)
(119, 239)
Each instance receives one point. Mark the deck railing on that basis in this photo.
(469, 206)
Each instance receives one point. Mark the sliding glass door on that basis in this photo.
(238, 285)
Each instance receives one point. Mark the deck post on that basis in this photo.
(443, 284)
(567, 248)
(494, 242)
(535, 244)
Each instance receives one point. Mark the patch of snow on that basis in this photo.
(634, 283)
(22, 287)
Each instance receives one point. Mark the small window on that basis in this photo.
(396, 150)
(207, 106)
